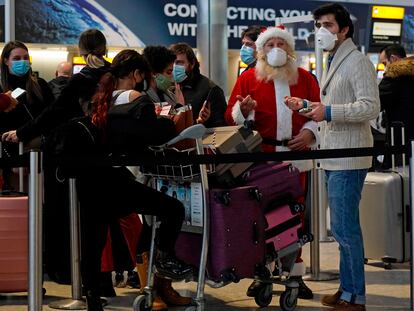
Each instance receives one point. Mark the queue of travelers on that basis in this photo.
(95, 110)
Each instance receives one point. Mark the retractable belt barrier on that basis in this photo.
(33, 161)
(102, 159)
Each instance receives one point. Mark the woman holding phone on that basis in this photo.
(16, 72)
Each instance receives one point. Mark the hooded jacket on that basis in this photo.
(397, 94)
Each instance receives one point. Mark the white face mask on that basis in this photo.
(276, 57)
(325, 39)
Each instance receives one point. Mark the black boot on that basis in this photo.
(304, 291)
(93, 301)
(172, 267)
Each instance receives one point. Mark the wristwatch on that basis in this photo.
(306, 103)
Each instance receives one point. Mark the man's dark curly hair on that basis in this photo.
(158, 57)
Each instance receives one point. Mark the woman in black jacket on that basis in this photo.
(16, 72)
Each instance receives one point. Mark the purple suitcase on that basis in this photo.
(277, 181)
(237, 245)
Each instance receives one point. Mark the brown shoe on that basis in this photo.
(331, 300)
(347, 306)
(169, 294)
(142, 267)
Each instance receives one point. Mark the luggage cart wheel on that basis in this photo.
(288, 300)
(140, 304)
(264, 296)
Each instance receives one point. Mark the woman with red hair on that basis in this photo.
(110, 193)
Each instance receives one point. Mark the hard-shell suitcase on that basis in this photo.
(14, 234)
(236, 245)
(384, 213)
(276, 180)
(231, 139)
(283, 226)
(384, 208)
(13, 242)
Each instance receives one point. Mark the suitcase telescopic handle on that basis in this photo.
(21, 169)
(392, 127)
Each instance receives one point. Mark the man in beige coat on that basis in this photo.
(349, 100)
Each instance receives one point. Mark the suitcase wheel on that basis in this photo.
(255, 194)
(230, 276)
(297, 208)
(289, 299)
(264, 296)
(306, 238)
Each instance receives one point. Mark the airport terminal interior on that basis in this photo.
(50, 29)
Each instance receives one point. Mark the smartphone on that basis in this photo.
(17, 92)
(305, 110)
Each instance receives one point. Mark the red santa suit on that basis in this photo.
(272, 118)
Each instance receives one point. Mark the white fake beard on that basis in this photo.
(288, 72)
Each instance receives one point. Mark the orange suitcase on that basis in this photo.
(13, 242)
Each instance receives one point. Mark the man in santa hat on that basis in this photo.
(258, 97)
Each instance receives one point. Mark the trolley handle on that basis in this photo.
(193, 132)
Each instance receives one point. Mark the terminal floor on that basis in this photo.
(387, 290)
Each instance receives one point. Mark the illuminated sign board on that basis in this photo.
(386, 29)
(386, 26)
(387, 12)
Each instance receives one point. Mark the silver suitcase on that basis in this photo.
(384, 215)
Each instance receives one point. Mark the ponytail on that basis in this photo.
(101, 101)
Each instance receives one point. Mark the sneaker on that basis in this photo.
(255, 288)
(343, 305)
(304, 291)
(173, 267)
(331, 300)
(119, 280)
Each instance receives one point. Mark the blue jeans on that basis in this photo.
(344, 193)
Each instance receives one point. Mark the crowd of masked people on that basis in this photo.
(112, 107)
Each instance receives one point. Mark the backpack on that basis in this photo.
(135, 126)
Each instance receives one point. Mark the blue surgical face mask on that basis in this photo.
(247, 55)
(20, 67)
(179, 74)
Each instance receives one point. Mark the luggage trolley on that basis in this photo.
(180, 173)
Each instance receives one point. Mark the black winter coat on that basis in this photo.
(195, 92)
(80, 88)
(25, 111)
(397, 94)
(58, 84)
